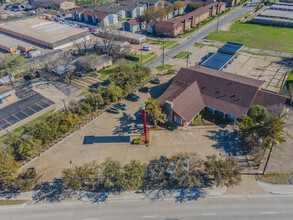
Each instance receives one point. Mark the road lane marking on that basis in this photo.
(150, 216)
(209, 214)
(268, 213)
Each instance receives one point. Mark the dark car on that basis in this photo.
(156, 80)
(145, 89)
(121, 106)
(80, 74)
(115, 109)
(133, 97)
(31, 76)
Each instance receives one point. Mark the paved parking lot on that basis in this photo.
(31, 103)
(96, 142)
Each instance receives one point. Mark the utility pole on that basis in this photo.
(187, 59)
(65, 107)
(163, 55)
(218, 18)
(141, 53)
(271, 149)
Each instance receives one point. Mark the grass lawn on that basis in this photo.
(183, 55)
(167, 43)
(144, 57)
(12, 202)
(146, 41)
(106, 72)
(22, 128)
(166, 67)
(172, 46)
(275, 178)
(257, 36)
(124, 19)
(150, 59)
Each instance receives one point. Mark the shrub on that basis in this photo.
(137, 140)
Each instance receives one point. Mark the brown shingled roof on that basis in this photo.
(219, 90)
(267, 98)
(135, 21)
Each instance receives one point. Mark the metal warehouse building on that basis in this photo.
(45, 32)
(11, 44)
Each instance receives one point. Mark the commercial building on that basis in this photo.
(53, 4)
(279, 14)
(223, 57)
(6, 94)
(227, 95)
(44, 32)
(176, 26)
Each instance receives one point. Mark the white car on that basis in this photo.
(146, 48)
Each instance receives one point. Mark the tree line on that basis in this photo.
(111, 175)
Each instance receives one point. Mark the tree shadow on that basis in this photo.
(95, 197)
(158, 90)
(228, 141)
(128, 125)
(11, 194)
(179, 195)
(52, 192)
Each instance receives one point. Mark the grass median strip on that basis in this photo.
(166, 67)
(12, 202)
(167, 43)
(275, 178)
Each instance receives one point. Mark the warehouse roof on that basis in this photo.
(11, 42)
(277, 14)
(43, 30)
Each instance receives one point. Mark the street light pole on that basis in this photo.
(163, 55)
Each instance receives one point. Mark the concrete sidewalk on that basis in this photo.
(276, 189)
(40, 197)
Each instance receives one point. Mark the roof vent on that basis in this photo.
(237, 99)
(204, 87)
(230, 83)
(218, 91)
(232, 96)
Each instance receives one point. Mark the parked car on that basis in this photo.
(145, 89)
(80, 74)
(31, 76)
(146, 48)
(156, 80)
(115, 109)
(133, 97)
(122, 106)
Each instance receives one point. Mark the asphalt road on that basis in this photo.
(202, 33)
(241, 208)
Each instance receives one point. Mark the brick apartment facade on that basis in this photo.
(176, 26)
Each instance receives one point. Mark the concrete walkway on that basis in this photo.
(276, 189)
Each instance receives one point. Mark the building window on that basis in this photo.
(178, 120)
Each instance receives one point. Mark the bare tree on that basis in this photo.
(111, 44)
(83, 46)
